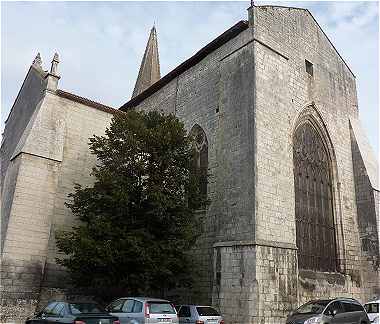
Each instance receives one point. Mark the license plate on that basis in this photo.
(165, 320)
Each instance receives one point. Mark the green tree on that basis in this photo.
(136, 223)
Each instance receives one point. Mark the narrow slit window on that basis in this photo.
(309, 67)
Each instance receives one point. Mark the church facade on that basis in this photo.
(293, 182)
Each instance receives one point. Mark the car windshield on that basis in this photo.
(207, 311)
(80, 308)
(372, 308)
(161, 308)
(313, 307)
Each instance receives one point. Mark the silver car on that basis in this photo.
(197, 314)
(143, 310)
(329, 311)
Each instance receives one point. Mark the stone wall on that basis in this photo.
(81, 123)
(248, 95)
(367, 222)
(285, 94)
(236, 289)
(217, 95)
(50, 158)
(23, 110)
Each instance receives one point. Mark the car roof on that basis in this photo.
(73, 301)
(319, 300)
(373, 302)
(328, 300)
(196, 305)
(347, 299)
(146, 299)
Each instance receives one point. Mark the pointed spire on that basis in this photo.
(54, 65)
(52, 77)
(37, 62)
(150, 66)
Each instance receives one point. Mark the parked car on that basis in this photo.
(329, 311)
(73, 313)
(143, 310)
(197, 314)
(373, 311)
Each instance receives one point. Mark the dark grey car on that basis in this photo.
(72, 313)
(329, 311)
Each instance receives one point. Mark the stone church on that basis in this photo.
(293, 181)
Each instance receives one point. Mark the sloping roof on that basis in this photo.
(149, 72)
(196, 58)
(87, 102)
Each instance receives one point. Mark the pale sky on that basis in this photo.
(101, 44)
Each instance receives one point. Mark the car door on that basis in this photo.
(353, 312)
(184, 315)
(335, 313)
(127, 312)
(137, 313)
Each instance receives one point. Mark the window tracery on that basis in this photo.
(200, 158)
(315, 229)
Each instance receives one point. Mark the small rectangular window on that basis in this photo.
(309, 67)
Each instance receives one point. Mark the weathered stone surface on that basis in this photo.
(248, 95)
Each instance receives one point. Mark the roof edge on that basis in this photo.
(22, 85)
(331, 43)
(277, 6)
(319, 26)
(193, 60)
(87, 102)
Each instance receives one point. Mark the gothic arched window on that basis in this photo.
(200, 158)
(315, 228)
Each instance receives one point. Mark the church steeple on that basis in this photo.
(150, 66)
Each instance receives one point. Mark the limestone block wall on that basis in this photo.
(365, 203)
(367, 221)
(25, 244)
(26, 103)
(235, 291)
(285, 93)
(50, 157)
(216, 94)
(81, 123)
(276, 278)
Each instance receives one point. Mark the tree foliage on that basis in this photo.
(136, 223)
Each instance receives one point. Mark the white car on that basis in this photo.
(373, 311)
